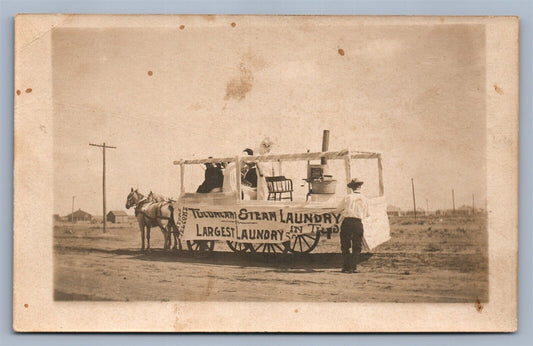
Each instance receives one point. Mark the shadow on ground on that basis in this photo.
(278, 260)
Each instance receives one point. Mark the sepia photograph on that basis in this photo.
(279, 165)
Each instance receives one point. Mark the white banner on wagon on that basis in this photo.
(253, 224)
(263, 224)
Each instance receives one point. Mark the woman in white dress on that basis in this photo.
(264, 169)
(230, 180)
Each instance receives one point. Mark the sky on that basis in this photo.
(415, 93)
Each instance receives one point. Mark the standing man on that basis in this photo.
(354, 209)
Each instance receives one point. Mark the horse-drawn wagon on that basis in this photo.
(277, 224)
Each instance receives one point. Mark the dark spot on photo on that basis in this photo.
(237, 88)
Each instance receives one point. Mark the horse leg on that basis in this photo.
(172, 232)
(172, 228)
(166, 236)
(148, 228)
(176, 240)
(142, 238)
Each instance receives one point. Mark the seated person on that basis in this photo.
(213, 179)
(246, 175)
(249, 178)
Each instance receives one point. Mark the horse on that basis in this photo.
(154, 197)
(152, 214)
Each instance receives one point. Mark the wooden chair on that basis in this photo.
(277, 187)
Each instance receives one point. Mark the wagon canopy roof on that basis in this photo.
(330, 155)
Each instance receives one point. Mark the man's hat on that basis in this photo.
(248, 151)
(354, 183)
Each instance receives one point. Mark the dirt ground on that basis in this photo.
(430, 260)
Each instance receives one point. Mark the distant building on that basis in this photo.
(461, 211)
(57, 218)
(117, 216)
(79, 216)
(419, 212)
(393, 211)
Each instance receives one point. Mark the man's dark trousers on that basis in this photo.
(351, 237)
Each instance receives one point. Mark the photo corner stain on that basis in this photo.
(479, 306)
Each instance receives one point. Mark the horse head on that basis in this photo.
(133, 198)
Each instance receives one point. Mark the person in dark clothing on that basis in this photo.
(213, 178)
(354, 209)
(250, 176)
(248, 170)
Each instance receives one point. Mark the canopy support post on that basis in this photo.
(182, 179)
(280, 167)
(348, 169)
(380, 172)
(238, 177)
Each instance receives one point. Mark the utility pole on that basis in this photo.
(453, 201)
(414, 200)
(427, 206)
(473, 206)
(104, 147)
(72, 215)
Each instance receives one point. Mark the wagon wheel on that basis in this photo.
(238, 247)
(269, 248)
(200, 245)
(304, 243)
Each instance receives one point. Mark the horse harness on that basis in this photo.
(158, 215)
(160, 205)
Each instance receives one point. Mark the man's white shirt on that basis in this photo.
(355, 205)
